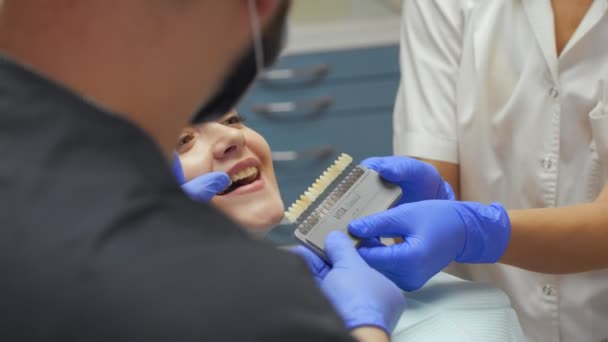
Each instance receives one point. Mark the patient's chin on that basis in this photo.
(262, 220)
(257, 216)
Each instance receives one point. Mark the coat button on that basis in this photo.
(553, 92)
(546, 163)
(550, 290)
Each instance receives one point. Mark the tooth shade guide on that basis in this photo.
(357, 192)
(318, 187)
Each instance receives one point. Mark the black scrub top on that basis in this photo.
(98, 242)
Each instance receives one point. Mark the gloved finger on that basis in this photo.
(373, 242)
(396, 261)
(388, 223)
(214, 181)
(393, 169)
(176, 169)
(374, 163)
(340, 250)
(400, 169)
(203, 188)
(446, 192)
(382, 257)
(317, 266)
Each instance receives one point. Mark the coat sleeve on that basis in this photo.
(425, 109)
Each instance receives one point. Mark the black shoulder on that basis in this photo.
(203, 281)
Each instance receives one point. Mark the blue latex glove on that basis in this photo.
(418, 180)
(361, 295)
(435, 233)
(202, 188)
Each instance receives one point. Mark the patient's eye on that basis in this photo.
(233, 120)
(186, 141)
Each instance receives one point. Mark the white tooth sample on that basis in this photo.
(295, 211)
(289, 216)
(318, 187)
(305, 200)
(310, 195)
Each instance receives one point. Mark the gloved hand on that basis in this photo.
(418, 180)
(361, 295)
(434, 234)
(202, 188)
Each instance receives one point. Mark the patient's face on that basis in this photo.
(253, 199)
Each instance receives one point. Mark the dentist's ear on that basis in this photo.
(266, 9)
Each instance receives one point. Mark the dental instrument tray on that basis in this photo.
(344, 192)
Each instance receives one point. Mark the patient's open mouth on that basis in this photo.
(244, 177)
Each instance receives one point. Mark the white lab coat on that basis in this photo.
(482, 86)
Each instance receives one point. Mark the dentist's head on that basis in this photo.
(154, 62)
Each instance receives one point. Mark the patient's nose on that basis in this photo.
(230, 144)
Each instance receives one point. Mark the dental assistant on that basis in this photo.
(509, 100)
(98, 243)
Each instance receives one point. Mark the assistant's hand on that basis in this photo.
(434, 234)
(361, 295)
(201, 188)
(418, 180)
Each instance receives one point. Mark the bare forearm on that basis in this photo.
(559, 240)
(369, 334)
(552, 240)
(449, 172)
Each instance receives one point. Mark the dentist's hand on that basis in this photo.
(204, 187)
(361, 295)
(418, 180)
(434, 234)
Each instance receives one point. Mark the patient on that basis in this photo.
(447, 308)
(227, 145)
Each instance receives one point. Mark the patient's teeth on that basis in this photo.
(244, 173)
